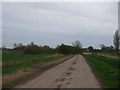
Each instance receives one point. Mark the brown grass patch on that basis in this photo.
(109, 56)
(87, 53)
(55, 55)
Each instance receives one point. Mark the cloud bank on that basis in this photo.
(51, 23)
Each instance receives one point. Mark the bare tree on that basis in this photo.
(77, 44)
(116, 41)
(20, 45)
(15, 45)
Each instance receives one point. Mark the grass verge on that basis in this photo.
(106, 69)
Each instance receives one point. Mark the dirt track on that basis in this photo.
(73, 73)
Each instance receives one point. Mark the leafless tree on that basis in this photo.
(77, 44)
(15, 45)
(116, 41)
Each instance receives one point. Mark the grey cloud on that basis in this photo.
(55, 23)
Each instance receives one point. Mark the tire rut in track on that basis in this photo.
(66, 78)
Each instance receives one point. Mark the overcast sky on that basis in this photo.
(55, 23)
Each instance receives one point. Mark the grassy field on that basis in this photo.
(13, 63)
(20, 57)
(17, 59)
(107, 69)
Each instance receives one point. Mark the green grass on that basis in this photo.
(20, 57)
(17, 59)
(23, 66)
(107, 69)
(111, 61)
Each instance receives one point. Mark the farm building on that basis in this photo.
(85, 50)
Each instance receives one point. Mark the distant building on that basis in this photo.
(85, 50)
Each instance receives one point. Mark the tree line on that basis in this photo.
(33, 48)
(75, 48)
